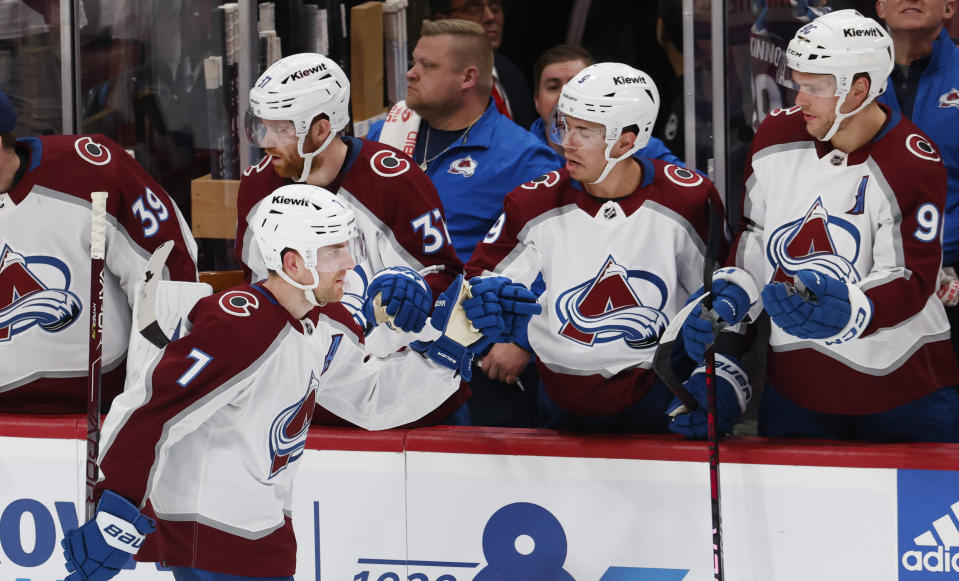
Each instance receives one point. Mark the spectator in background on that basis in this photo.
(510, 88)
(553, 69)
(298, 121)
(45, 186)
(449, 125)
(620, 241)
(669, 32)
(924, 82)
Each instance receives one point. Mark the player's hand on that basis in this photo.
(733, 393)
(948, 291)
(101, 546)
(504, 362)
(730, 305)
(819, 307)
(459, 339)
(403, 294)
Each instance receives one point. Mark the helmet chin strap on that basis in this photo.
(308, 157)
(307, 290)
(840, 116)
(612, 161)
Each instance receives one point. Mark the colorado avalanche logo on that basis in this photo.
(609, 308)
(785, 111)
(388, 164)
(34, 291)
(950, 99)
(289, 429)
(464, 167)
(239, 303)
(818, 242)
(92, 151)
(546, 180)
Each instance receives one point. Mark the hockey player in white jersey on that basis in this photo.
(620, 242)
(842, 211)
(201, 449)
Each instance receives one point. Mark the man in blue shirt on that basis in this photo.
(475, 156)
(925, 81)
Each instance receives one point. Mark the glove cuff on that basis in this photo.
(860, 314)
(450, 354)
(743, 280)
(729, 369)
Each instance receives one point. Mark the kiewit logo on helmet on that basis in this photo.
(290, 201)
(621, 80)
(304, 73)
(847, 32)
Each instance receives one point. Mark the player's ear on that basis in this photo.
(624, 143)
(949, 9)
(291, 261)
(881, 9)
(320, 128)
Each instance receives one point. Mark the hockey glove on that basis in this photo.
(735, 298)
(818, 307)
(459, 339)
(100, 547)
(948, 291)
(515, 303)
(732, 396)
(402, 298)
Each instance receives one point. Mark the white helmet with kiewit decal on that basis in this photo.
(311, 221)
(296, 89)
(842, 44)
(614, 95)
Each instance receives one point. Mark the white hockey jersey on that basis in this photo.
(208, 431)
(616, 272)
(870, 218)
(45, 267)
(400, 220)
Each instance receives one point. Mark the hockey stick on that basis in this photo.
(146, 314)
(98, 224)
(712, 428)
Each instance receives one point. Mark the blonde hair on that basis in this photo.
(470, 46)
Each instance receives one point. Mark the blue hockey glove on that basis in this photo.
(819, 307)
(734, 299)
(404, 295)
(101, 546)
(459, 340)
(733, 393)
(730, 303)
(514, 302)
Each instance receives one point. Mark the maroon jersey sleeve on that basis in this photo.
(194, 375)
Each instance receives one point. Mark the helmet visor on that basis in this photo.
(269, 133)
(573, 133)
(812, 84)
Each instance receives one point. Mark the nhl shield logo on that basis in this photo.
(464, 167)
(950, 99)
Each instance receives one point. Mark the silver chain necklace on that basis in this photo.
(426, 147)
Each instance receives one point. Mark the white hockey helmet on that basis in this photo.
(297, 88)
(614, 95)
(842, 44)
(306, 219)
